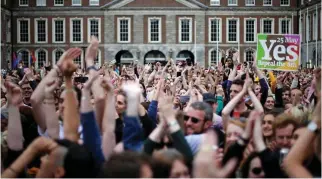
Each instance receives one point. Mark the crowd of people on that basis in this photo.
(178, 120)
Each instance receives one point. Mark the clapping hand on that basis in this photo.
(14, 93)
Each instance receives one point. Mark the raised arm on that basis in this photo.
(71, 113)
(15, 135)
(98, 92)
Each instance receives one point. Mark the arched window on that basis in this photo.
(41, 58)
(214, 56)
(97, 60)
(249, 56)
(57, 54)
(24, 55)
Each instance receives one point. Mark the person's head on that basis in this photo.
(68, 160)
(288, 106)
(267, 124)
(182, 92)
(211, 100)
(3, 100)
(198, 118)
(299, 131)
(26, 93)
(283, 128)
(270, 102)
(252, 167)
(234, 129)
(78, 94)
(286, 94)
(120, 102)
(236, 87)
(257, 89)
(172, 162)
(127, 165)
(156, 79)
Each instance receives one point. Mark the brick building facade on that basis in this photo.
(146, 30)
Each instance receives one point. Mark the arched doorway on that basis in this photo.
(123, 56)
(155, 56)
(184, 55)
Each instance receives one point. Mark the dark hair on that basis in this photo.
(202, 106)
(124, 165)
(286, 88)
(246, 166)
(144, 90)
(238, 82)
(78, 161)
(283, 120)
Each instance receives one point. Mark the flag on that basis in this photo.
(32, 59)
(14, 60)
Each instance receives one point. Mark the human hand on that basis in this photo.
(132, 89)
(204, 164)
(220, 91)
(247, 84)
(250, 125)
(91, 51)
(235, 58)
(14, 93)
(68, 68)
(68, 55)
(90, 81)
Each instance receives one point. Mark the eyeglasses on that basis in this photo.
(193, 119)
(257, 170)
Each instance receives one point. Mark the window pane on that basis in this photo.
(23, 2)
(94, 2)
(94, 27)
(267, 26)
(24, 31)
(41, 2)
(41, 58)
(250, 2)
(77, 34)
(41, 28)
(77, 2)
(154, 30)
(78, 60)
(185, 30)
(232, 2)
(24, 58)
(214, 2)
(59, 2)
(267, 2)
(58, 53)
(250, 30)
(284, 2)
(249, 56)
(59, 30)
(214, 30)
(124, 30)
(232, 30)
(285, 26)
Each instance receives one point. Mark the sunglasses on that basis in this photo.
(257, 170)
(193, 119)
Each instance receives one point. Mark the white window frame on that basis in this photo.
(54, 55)
(209, 56)
(119, 28)
(36, 56)
(99, 54)
(268, 4)
(272, 27)
(255, 30)
(280, 25)
(18, 30)
(23, 5)
(214, 2)
(285, 4)
(160, 29)
(96, 2)
(71, 30)
(209, 29)
(315, 33)
(227, 30)
(89, 29)
(245, 53)
(82, 59)
(73, 4)
(8, 29)
(190, 29)
(36, 29)
(246, 4)
(37, 3)
(53, 29)
(58, 4)
(233, 4)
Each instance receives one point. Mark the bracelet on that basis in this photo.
(91, 68)
(69, 90)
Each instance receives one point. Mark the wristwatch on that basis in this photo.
(313, 127)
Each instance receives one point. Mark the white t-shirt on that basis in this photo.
(61, 131)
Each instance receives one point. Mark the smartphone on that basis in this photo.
(283, 154)
(178, 73)
(184, 99)
(81, 79)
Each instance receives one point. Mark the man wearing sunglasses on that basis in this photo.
(198, 118)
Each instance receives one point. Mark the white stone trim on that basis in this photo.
(36, 56)
(18, 30)
(36, 29)
(272, 27)
(268, 4)
(23, 5)
(227, 30)
(285, 4)
(255, 29)
(190, 29)
(214, 2)
(53, 30)
(89, 29)
(58, 4)
(280, 25)
(232, 4)
(53, 61)
(247, 5)
(97, 3)
(160, 29)
(71, 30)
(77, 4)
(119, 28)
(209, 29)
